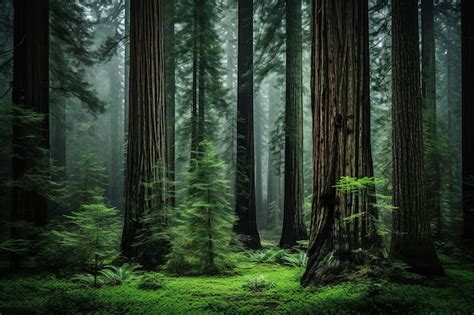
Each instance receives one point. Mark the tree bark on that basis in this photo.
(341, 138)
(293, 226)
(246, 224)
(147, 136)
(467, 29)
(30, 91)
(428, 88)
(411, 233)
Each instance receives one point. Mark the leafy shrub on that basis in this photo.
(298, 260)
(268, 256)
(88, 279)
(258, 284)
(151, 281)
(113, 275)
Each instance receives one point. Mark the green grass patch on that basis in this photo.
(228, 294)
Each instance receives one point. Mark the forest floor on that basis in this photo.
(453, 294)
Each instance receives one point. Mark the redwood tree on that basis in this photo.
(293, 227)
(147, 142)
(245, 209)
(411, 233)
(341, 137)
(467, 29)
(31, 92)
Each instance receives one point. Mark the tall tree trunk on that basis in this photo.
(127, 67)
(258, 126)
(115, 178)
(411, 233)
(293, 226)
(170, 73)
(246, 224)
(195, 85)
(467, 29)
(58, 134)
(147, 147)
(341, 138)
(428, 88)
(30, 91)
(272, 178)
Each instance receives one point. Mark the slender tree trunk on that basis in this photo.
(258, 126)
(467, 29)
(341, 138)
(293, 226)
(428, 88)
(273, 192)
(30, 91)
(127, 67)
(170, 73)
(411, 233)
(147, 138)
(58, 134)
(195, 84)
(116, 141)
(246, 224)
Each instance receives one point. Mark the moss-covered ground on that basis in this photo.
(453, 294)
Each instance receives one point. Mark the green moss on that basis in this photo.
(225, 294)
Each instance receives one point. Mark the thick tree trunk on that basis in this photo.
(170, 73)
(341, 138)
(30, 91)
(411, 233)
(147, 147)
(428, 88)
(246, 224)
(293, 226)
(467, 29)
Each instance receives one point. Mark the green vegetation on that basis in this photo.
(155, 293)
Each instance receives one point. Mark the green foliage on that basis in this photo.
(90, 236)
(151, 281)
(258, 284)
(153, 239)
(225, 295)
(298, 260)
(202, 234)
(270, 255)
(88, 279)
(367, 186)
(113, 275)
(87, 178)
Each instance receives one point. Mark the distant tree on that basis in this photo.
(170, 73)
(467, 29)
(293, 226)
(147, 138)
(428, 89)
(341, 139)
(411, 232)
(72, 36)
(245, 209)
